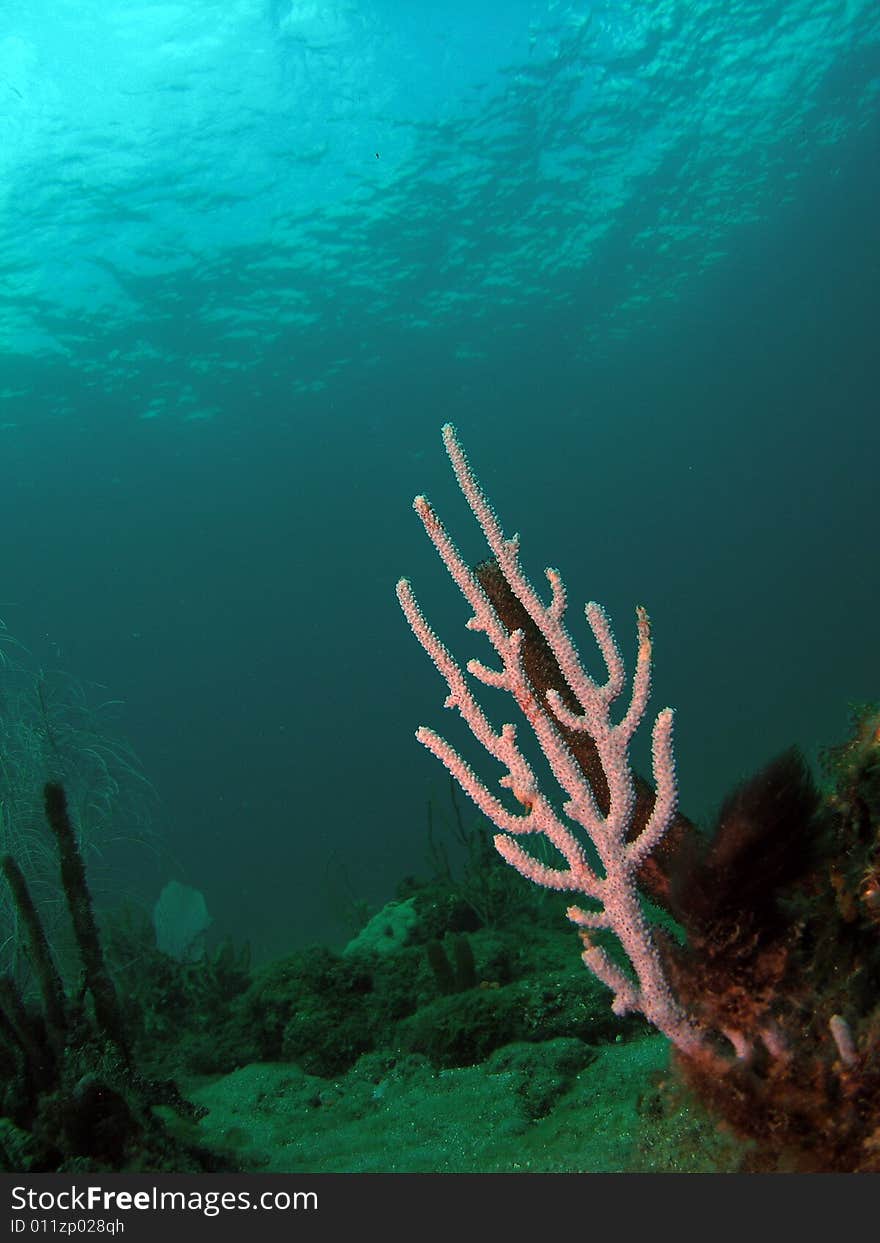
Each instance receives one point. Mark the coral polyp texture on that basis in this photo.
(767, 988)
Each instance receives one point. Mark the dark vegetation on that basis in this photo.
(73, 1097)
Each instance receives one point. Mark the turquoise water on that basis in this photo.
(254, 254)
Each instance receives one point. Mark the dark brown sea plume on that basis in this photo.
(762, 842)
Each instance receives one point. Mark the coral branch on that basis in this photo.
(43, 963)
(581, 706)
(79, 903)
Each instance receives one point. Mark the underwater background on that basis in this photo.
(253, 253)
